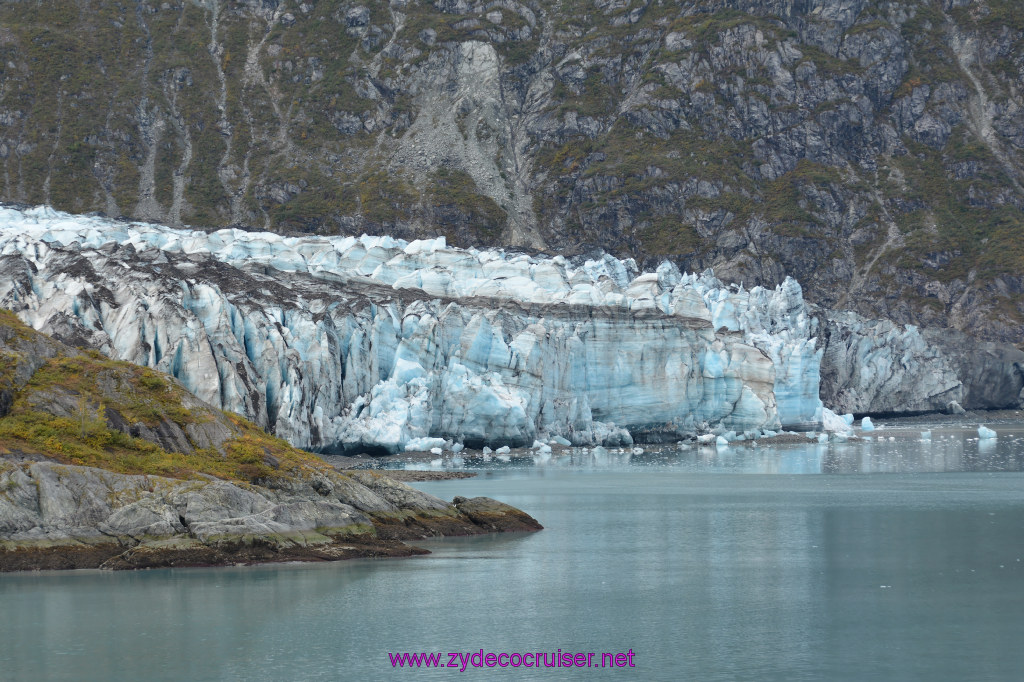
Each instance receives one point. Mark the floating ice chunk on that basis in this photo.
(833, 422)
(561, 441)
(436, 451)
(503, 450)
(706, 438)
(892, 439)
(822, 437)
(986, 433)
(866, 425)
(721, 442)
(423, 444)
(457, 447)
(848, 418)
(638, 451)
(926, 435)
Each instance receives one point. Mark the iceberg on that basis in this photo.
(866, 424)
(985, 433)
(834, 423)
(423, 444)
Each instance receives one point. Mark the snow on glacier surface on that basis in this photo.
(485, 346)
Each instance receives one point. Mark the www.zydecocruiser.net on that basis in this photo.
(462, 660)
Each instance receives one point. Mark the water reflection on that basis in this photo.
(842, 578)
(922, 449)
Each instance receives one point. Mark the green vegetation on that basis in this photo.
(454, 190)
(947, 220)
(70, 406)
(786, 205)
(383, 197)
(669, 236)
(993, 15)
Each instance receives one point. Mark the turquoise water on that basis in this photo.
(703, 575)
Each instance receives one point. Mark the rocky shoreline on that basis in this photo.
(57, 516)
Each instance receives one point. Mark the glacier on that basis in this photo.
(343, 344)
(878, 366)
(375, 344)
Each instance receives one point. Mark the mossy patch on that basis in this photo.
(61, 413)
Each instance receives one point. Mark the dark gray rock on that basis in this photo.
(49, 512)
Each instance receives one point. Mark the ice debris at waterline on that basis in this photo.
(985, 433)
(373, 344)
(866, 424)
(833, 422)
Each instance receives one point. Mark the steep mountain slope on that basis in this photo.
(872, 149)
(107, 463)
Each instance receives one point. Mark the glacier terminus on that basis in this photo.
(372, 344)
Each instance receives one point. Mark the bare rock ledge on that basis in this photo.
(57, 516)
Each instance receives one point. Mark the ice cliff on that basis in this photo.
(871, 365)
(364, 344)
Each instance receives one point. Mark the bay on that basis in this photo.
(707, 564)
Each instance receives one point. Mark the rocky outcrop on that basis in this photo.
(174, 481)
(59, 516)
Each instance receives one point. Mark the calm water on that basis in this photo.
(705, 575)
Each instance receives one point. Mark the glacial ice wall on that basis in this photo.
(345, 344)
(879, 366)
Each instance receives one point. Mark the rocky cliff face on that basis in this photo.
(870, 149)
(56, 516)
